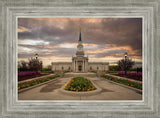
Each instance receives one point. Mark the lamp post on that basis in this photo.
(125, 55)
(97, 71)
(62, 68)
(36, 55)
(62, 72)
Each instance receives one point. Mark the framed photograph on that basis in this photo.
(79, 59)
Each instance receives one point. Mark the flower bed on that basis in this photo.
(132, 75)
(125, 82)
(35, 82)
(28, 73)
(80, 84)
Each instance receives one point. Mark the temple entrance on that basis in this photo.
(79, 68)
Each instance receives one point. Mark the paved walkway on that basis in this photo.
(110, 90)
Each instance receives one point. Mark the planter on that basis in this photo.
(80, 93)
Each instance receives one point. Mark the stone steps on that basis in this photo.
(80, 74)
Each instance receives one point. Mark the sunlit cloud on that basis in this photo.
(24, 50)
(67, 45)
(33, 42)
(23, 29)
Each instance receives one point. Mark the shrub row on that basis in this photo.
(125, 82)
(139, 74)
(35, 82)
(28, 73)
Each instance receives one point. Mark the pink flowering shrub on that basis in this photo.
(131, 74)
(29, 73)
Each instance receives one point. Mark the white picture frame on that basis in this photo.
(11, 106)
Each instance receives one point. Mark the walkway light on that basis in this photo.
(125, 54)
(125, 68)
(36, 55)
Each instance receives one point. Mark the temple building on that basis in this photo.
(80, 62)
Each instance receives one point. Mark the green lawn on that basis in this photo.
(46, 72)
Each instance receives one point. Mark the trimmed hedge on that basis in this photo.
(125, 82)
(35, 82)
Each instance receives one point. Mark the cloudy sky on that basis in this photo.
(55, 39)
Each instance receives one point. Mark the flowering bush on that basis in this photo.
(125, 82)
(131, 74)
(35, 82)
(28, 73)
(80, 84)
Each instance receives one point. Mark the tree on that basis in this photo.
(22, 66)
(35, 64)
(129, 64)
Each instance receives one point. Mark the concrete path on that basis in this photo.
(110, 90)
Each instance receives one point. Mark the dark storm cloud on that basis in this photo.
(120, 32)
(101, 31)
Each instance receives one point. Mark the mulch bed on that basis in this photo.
(131, 77)
(30, 77)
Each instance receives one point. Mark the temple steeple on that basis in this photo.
(80, 51)
(80, 34)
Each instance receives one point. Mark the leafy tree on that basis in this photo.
(22, 66)
(35, 64)
(129, 64)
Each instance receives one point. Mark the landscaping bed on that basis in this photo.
(29, 75)
(125, 82)
(35, 82)
(79, 84)
(131, 75)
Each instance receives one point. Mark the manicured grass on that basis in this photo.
(47, 72)
(125, 82)
(35, 82)
(80, 84)
(111, 72)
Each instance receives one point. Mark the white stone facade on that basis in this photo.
(80, 62)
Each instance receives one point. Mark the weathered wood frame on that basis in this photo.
(11, 107)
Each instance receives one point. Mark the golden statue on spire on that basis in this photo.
(80, 28)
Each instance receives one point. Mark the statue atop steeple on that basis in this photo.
(80, 34)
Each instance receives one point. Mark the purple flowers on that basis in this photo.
(131, 74)
(121, 73)
(23, 74)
